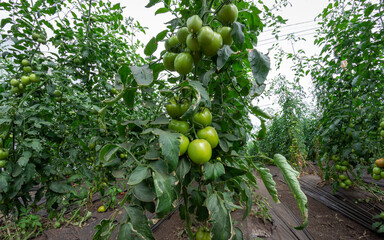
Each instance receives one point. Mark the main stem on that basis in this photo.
(187, 219)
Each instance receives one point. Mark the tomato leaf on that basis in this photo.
(152, 3)
(268, 181)
(161, 35)
(143, 75)
(260, 113)
(151, 47)
(138, 175)
(201, 97)
(139, 222)
(290, 177)
(223, 54)
(107, 152)
(205, 78)
(104, 230)
(23, 160)
(237, 33)
(3, 182)
(169, 145)
(238, 234)
(263, 131)
(165, 193)
(260, 65)
(219, 215)
(124, 71)
(162, 10)
(183, 168)
(59, 187)
(144, 192)
(213, 171)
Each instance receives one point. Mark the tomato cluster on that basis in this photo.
(378, 169)
(199, 150)
(185, 49)
(19, 86)
(342, 168)
(381, 128)
(3, 156)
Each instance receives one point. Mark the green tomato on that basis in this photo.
(382, 215)
(376, 177)
(207, 236)
(25, 62)
(14, 83)
(211, 49)
(169, 61)
(338, 167)
(77, 61)
(183, 63)
(34, 78)
(25, 80)
(199, 151)
(2, 163)
(343, 168)
(21, 86)
(382, 133)
(342, 177)
(41, 40)
(179, 126)
(57, 93)
(194, 24)
(382, 124)
(101, 209)
(173, 41)
(196, 55)
(348, 182)
(27, 69)
(200, 234)
(205, 36)
(382, 174)
(345, 163)
(184, 106)
(4, 154)
(184, 142)
(182, 34)
(173, 108)
(209, 134)
(376, 170)
(35, 36)
(15, 90)
(202, 119)
(225, 33)
(343, 185)
(192, 43)
(228, 14)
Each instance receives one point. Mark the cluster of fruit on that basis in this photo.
(381, 128)
(378, 171)
(4, 153)
(199, 150)
(19, 86)
(39, 37)
(203, 234)
(342, 167)
(186, 47)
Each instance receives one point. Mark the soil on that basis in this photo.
(324, 223)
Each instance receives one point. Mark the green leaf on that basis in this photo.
(231, 172)
(152, 3)
(165, 193)
(169, 144)
(200, 93)
(139, 222)
(220, 217)
(260, 65)
(59, 187)
(124, 72)
(205, 78)
(143, 75)
(23, 160)
(238, 234)
(183, 168)
(125, 231)
(237, 33)
(104, 230)
(139, 174)
(262, 132)
(267, 178)
(129, 98)
(3, 183)
(144, 192)
(162, 10)
(107, 152)
(4, 21)
(260, 113)
(151, 47)
(223, 54)
(369, 10)
(290, 177)
(161, 35)
(213, 171)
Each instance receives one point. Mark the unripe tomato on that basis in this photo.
(184, 106)
(207, 236)
(4, 154)
(343, 185)
(342, 177)
(194, 23)
(200, 234)
(376, 170)
(205, 36)
(382, 174)
(382, 215)
(376, 177)
(379, 162)
(57, 93)
(15, 90)
(179, 126)
(192, 42)
(77, 61)
(35, 36)
(228, 14)
(225, 33)
(169, 61)
(209, 134)
(196, 55)
(211, 49)
(345, 163)
(25, 62)
(25, 80)
(173, 41)
(184, 142)
(183, 63)
(348, 182)
(14, 83)
(41, 40)
(34, 78)
(27, 69)
(101, 209)
(203, 119)
(338, 167)
(382, 133)
(21, 86)
(114, 91)
(173, 109)
(199, 151)
(343, 168)
(382, 124)
(2, 163)
(182, 34)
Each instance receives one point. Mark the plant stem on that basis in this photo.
(187, 218)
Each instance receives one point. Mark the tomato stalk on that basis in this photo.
(187, 217)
